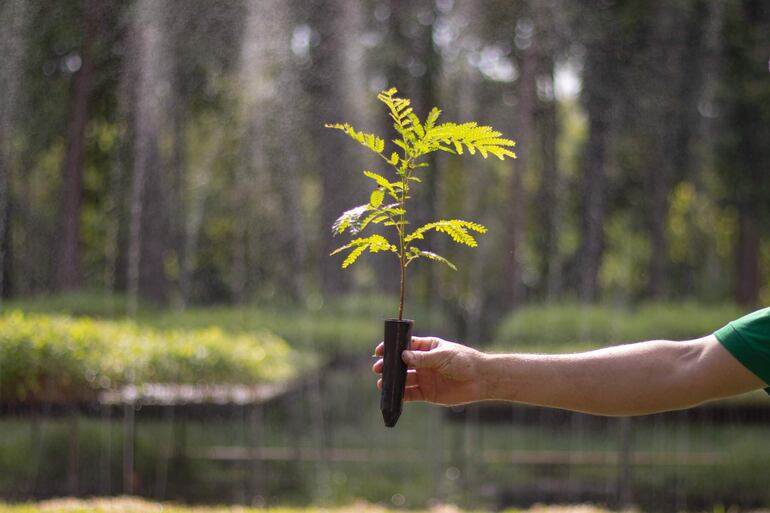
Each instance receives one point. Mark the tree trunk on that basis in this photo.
(199, 177)
(425, 100)
(671, 80)
(117, 192)
(551, 194)
(291, 192)
(477, 184)
(68, 256)
(153, 281)
(13, 13)
(261, 232)
(747, 270)
(174, 192)
(332, 151)
(594, 208)
(145, 258)
(240, 257)
(746, 154)
(7, 286)
(293, 105)
(599, 81)
(513, 287)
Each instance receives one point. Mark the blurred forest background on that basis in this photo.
(176, 150)
(167, 191)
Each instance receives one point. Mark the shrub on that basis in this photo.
(58, 358)
(328, 328)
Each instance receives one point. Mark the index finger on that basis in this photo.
(380, 349)
(424, 343)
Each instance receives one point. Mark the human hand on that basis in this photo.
(439, 371)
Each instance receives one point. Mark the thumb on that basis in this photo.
(420, 359)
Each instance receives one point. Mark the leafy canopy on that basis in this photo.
(416, 140)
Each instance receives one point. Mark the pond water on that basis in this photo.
(324, 443)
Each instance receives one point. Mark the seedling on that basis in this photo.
(415, 140)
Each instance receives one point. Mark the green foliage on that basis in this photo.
(570, 327)
(455, 228)
(46, 357)
(374, 243)
(371, 141)
(92, 303)
(416, 253)
(324, 328)
(417, 139)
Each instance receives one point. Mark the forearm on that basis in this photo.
(631, 379)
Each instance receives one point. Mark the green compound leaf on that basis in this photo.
(375, 200)
(384, 183)
(418, 128)
(353, 256)
(349, 219)
(371, 141)
(484, 139)
(393, 209)
(430, 121)
(374, 243)
(437, 258)
(375, 217)
(404, 120)
(415, 253)
(455, 228)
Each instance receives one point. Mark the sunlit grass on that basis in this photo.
(135, 505)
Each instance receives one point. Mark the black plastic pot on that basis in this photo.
(398, 337)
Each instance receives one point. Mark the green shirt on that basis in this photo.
(748, 340)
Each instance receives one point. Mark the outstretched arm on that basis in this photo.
(631, 379)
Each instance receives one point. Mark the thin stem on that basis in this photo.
(402, 249)
(401, 300)
(401, 242)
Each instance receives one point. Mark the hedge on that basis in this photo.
(53, 358)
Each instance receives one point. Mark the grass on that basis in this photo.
(571, 327)
(134, 505)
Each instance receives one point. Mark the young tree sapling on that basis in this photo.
(415, 140)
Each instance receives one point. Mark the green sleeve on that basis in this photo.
(748, 340)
